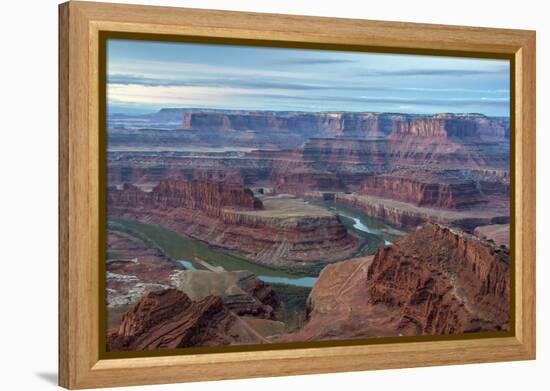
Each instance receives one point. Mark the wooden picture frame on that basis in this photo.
(80, 167)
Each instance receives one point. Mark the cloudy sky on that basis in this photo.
(144, 76)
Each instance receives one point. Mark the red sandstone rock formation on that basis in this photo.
(348, 145)
(135, 269)
(169, 320)
(444, 282)
(347, 124)
(288, 233)
(344, 152)
(128, 255)
(493, 128)
(377, 156)
(433, 281)
(422, 187)
(207, 196)
(439, 126)
(186, 123)
(408, 216)
(349, 159)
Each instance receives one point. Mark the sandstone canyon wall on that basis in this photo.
(434, 281)
(169, 319)
(330, 151)
(287, 233)
(346, 124)
(210, 197)
(423, 187)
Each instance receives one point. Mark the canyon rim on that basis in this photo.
(258, 196)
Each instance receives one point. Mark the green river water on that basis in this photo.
(183, 249)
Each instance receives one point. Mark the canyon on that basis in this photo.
(137, 266)
(433, 281)
(277, 231)
(440, 162)
(250, 227)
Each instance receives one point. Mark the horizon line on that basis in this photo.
(156, 111)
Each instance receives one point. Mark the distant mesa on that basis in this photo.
(446, 128)
(347, 124)
(326, 151)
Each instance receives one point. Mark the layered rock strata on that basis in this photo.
(240, 291)
(422, 187)
(169, 319)
(350, 160)
(346, 124)
(405, 215)
(209, 197)
(276, 232)
(135, 268)
(433, 281)
(437, 126)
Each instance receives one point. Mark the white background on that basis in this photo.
(28, 194)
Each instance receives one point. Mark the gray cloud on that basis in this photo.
(236, 82)
(435, 72)
(145, 81)
(251, 82)
(314, 61)
(229, 81)
(485, 102)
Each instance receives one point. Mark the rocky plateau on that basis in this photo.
(299, 198)
(278, 231)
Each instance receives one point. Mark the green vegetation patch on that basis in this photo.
(294, 297)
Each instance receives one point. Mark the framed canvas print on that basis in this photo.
(248, 195)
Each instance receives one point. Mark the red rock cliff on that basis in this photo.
(281, 232)
(360, 125)
(169, 319)
(435, 126)
(204, 195)
(423, 187)
(433, 281)
(443, 282)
